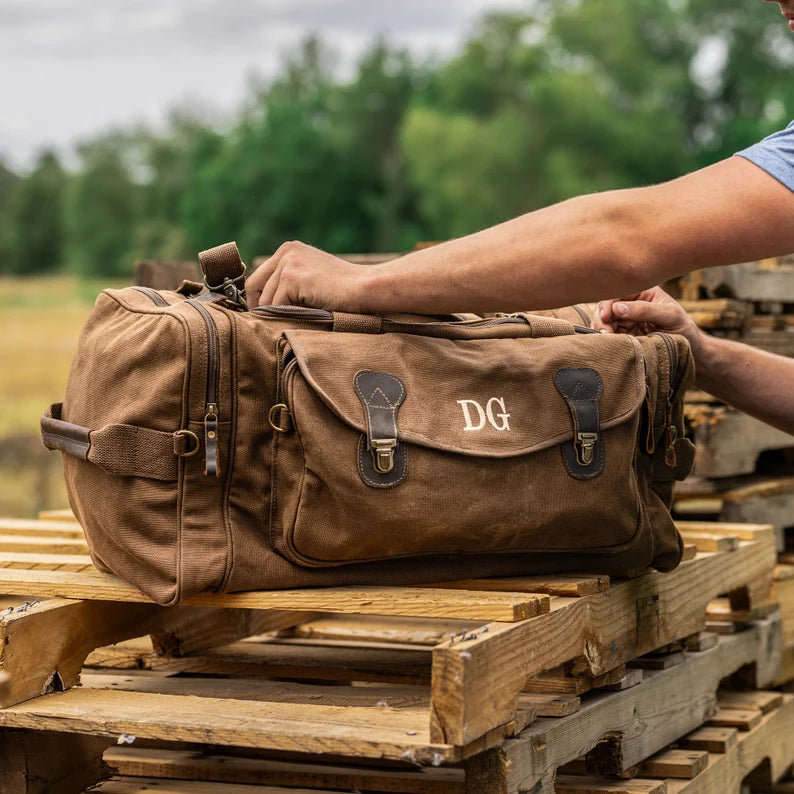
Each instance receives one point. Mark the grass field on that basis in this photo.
(40, 320)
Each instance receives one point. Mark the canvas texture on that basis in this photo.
(207, 447)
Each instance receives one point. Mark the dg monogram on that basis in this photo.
(485, 414)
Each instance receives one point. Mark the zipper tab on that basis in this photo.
(211, 467)
(670, 457)
(671, 432)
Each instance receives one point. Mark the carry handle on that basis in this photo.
(224, 272)
(121, 450)
(519, 325)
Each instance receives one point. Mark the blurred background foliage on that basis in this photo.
(579, 96)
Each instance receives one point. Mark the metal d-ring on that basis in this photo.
(188, 434)
(271, 417)
(219, 287)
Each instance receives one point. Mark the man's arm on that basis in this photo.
(582, 249)
(752, 380)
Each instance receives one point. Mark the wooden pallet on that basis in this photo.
(616, 729)
(728, 441)
(506, 637)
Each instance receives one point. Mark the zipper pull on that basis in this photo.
(211, 467)
(672, 436)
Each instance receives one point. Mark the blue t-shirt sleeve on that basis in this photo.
(775, 155)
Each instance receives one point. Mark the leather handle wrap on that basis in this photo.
(122, 450)
(357, 323)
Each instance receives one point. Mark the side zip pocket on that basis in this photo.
(211, 466)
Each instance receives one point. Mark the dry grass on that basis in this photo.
(40, 320)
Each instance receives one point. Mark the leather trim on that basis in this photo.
(581, 389)
(122, 450)
(64, 436)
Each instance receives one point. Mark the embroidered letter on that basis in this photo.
(504, 416)
(464, 404)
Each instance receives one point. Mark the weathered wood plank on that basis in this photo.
(132, 785)
(397, 734)
(705, 541)
(558, 585)
(64, 514)
(712, 740)
(676, 763)
(576, 784)
(33, 762)
(410, 601)
(39, 528)
(25, 560)
(279, 658)
(43, 648)
(190, 765)
(374, 628)
(42, 545)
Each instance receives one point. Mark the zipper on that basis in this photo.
(294, 311)
(583, 314)
(152, 295)
(671, 429)
(650, 439)
(211, 467)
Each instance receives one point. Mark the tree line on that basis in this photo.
(574, 97)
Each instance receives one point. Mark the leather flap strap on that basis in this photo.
(581, 390)
(381, 395)
(123, 450)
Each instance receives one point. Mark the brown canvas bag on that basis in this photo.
(211, 447)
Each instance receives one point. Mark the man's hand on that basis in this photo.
(300, 275)
(644, 312)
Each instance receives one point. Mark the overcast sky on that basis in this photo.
(73, 68)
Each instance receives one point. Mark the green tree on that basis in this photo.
(8, 183)
(36, 218)
(102, 209)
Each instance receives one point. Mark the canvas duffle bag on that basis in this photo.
(208, 446)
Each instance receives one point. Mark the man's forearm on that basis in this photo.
(594, 247)
(752, 380)
(582, 249)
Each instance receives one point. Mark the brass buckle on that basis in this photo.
(232, 288)
(382, 450)
(585, 445)
(271, 418)
(187, 434)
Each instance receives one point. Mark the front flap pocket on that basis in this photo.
(400, 445)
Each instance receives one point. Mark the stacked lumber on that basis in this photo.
(509, 685)
(751, 302)
(744, 469)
